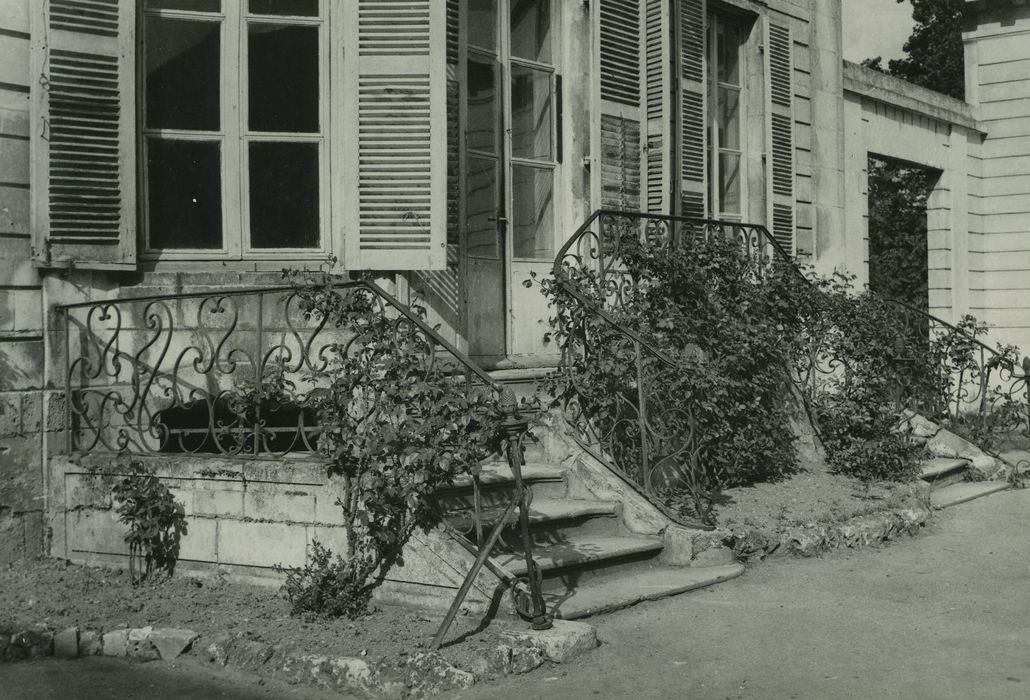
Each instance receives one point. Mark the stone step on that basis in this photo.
(578, 551)
(942, 471)
(499, 473)
(633, 587)
(547, 511)
(954, 494)
(558, 509)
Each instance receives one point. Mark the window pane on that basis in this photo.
(483, 117)
(284, 195)
(182, 64)
(728, 48)
(530, 113)
(193, 5)
(533, 215)
(531, 30)
(482, 24)
(283, 78)
(729, 183)
(729, 118)
(184, 190)
(295, 8)
(481, 233)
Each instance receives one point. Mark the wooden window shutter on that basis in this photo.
(83, 134)
(658, 66)
(693, 153)
(395, 136)
(621, 109)
(780, 134)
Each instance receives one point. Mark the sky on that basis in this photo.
(876, 28)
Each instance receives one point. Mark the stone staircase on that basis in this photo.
(950, 484)
(591, 561)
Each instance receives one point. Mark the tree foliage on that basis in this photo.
(897, 231)
(934, 56)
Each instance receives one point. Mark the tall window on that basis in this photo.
(532, 129)
(235, 119)
(725, 102)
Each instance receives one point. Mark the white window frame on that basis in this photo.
(235, 137)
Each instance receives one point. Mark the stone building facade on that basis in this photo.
(451, 147)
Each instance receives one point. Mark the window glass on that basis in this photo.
(728, 52)
(533, 212)
(482, 24)
(530, 113)
(483, 117)
(184, 194)
(182, 74)
(192, 5)
(282, 78)
(729, 118)
(295, 8)
(284, 203)
(729, 183)
(531, 30)
(483, 237)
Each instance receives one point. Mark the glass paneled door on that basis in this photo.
(510, 167)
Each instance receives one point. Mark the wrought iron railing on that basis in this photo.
(236, 373)
(637, 424)
(644, 432)
(940, 370)
(224, 372)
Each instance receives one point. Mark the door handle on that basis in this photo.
(498, 219)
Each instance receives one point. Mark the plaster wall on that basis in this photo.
(889, 118)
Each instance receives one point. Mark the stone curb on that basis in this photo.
(141, 644)
(418, 675)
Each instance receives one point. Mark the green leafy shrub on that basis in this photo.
(718, 418)
(327, 586)
(157, 523)
(396, 424)
(737, 333)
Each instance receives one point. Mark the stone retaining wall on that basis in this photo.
(244, 518)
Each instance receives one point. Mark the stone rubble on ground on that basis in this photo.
(418, 675)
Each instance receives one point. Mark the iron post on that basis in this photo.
(515, 426)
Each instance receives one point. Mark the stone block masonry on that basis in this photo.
(245, 518)
(22, 429)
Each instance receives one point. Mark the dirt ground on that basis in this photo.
(938, 617)
(64, 595)
(809, 497)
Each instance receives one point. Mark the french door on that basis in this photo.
(510, 166)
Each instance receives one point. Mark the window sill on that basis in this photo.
(312, 263)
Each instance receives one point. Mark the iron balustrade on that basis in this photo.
(219, 373)
(638, 426)
(940, 371)
(644, 432)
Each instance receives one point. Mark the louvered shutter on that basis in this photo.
(621, 106)
(658, 66)
(395, 136)
(692, 137)
(780, 134)
(83, 134)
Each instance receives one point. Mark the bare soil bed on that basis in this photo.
(811, 498)
(65, 595)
